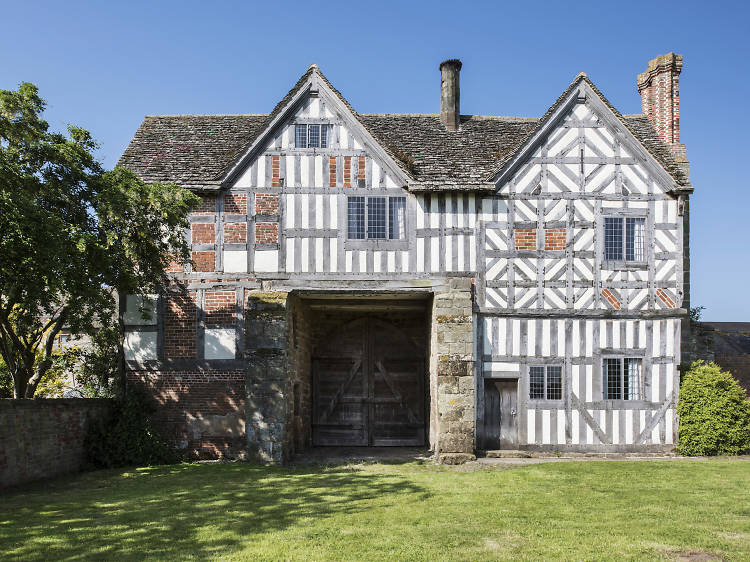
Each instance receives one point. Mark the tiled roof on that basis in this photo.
(198, 150)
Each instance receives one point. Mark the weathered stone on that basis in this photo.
(455, 458)
(456, 443)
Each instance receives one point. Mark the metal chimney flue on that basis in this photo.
(450, 94)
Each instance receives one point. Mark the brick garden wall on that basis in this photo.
(43, 438)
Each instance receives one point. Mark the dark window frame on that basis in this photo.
(364, 225)
(622, 249)
(626, 389)
(322, 135)
(547, 392)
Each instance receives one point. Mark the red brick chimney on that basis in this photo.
(659, 87)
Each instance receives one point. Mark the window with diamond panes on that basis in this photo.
(624, 239)
(311, 136)
(545, 383)
(623, 378)
(377, 218)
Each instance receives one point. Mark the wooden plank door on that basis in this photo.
(396, 370)
(508, 390)
(500, 429)
(340, 389)
(368, 388)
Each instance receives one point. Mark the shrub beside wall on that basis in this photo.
(126, 437)
(714, 413)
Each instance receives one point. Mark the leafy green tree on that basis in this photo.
(73, 234)
(714, 412)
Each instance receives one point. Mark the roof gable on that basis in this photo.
(633, 132)
(312, 83)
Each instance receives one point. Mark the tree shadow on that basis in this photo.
(179, 511)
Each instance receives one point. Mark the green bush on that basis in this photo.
(126, 436)
(714, 413)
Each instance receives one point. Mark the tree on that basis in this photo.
(73, 236)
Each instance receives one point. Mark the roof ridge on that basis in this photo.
(470, 115)
(207, 115)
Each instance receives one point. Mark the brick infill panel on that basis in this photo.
(266, 204)
(235, 233)
(266, 233)
(235, 204)
(554, 239)
(203, 233)
(525, 238)
(204, 261)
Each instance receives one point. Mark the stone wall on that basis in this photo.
(452, 368)
(44, 438)
(299, 428)
(267, 385)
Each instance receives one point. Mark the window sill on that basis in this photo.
(376, 244)
(624, 266)
(544, 403)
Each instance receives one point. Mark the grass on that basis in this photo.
(572, 510)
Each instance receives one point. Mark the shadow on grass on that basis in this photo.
(181, 510)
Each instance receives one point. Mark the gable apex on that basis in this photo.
(635, 134)
(312, 82)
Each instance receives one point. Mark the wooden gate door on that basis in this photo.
(500, 414)
(368, 387)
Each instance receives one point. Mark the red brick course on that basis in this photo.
(187, 398)
(554, 239)
(347, 171)
(207, 206)
(332, 171)
(266, 233)
(235, 204)
(525, 238)
(203, 233)
(275, 167)
(611, 298)
(665, 298)
(219, 307)
(179, 325)
(266, 204)
(204, 261)
(361, 167)
(235, 233)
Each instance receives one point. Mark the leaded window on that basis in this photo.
(624, 239)
(623, 379)
(376, 218)
(545, 382)
(311, 136)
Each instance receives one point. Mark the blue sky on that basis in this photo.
(104, 66)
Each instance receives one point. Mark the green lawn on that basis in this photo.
(572, 510)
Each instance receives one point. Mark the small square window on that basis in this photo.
(545, 382)
(311, 136)
(623, 378)
(624, 239)
(376, 218)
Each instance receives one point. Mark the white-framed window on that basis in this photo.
(545, 382)
(376, 217)
(311, 136)
(623, 378)
(625, 239)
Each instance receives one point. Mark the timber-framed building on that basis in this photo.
(459, 282)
